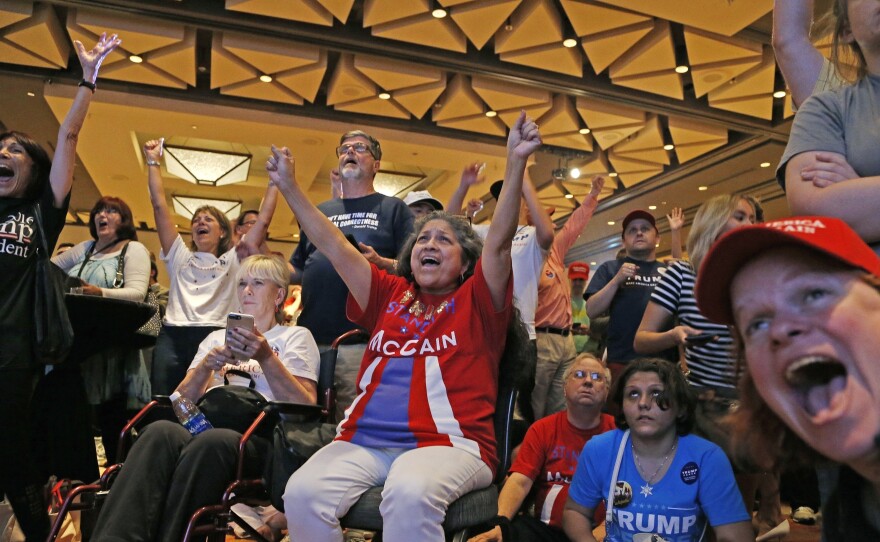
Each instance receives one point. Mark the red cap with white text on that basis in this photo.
(829, 236)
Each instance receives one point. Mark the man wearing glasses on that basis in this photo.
(379, 224)
(548, 456)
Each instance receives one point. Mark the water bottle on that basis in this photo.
(189, 414)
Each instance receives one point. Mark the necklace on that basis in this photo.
(417, 308)
(648, 488)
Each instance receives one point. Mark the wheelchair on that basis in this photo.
(212, 522)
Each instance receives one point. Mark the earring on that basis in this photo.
(461, 279)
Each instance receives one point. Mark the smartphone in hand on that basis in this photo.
(700, 339)
(242, 321)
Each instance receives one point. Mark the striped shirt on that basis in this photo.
(712, 365)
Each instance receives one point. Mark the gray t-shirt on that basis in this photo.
(844, 121)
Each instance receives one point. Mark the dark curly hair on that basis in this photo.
(471, 243)
(225, 228)
(126, 229)
(39, 157)
(676, 391)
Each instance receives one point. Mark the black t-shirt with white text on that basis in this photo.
(19, 240)
(379, 221)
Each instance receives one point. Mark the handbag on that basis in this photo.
(235, 407)
(147, 333)
(294, 440)
(53, 332)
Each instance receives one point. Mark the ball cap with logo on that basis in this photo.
(830, 237)
(423, 196)
(637, 214)
(578, 270)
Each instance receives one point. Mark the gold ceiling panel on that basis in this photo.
(383, 11)
(715, 60)
(535, 22)
(268, 55)
(550, 195)
(171, 45)
(509, 117)
(477, 123)
(581, 187)
(480, 20)
(340, 9)
(751, 93)
(604, 48)
(424, 29)
(305, 81)
(374, 105)
(725, 17)
(458, 101)
(503, 96)
(394, 74)
(254, 88)
(32, 35)
(631, 172)
(694, 139)
(552, 56)
(610, 123)
(418, 100)
(306, 11)
(588, 17)
(650, 64)
(347, 84)
(646, 145)
(560, 126)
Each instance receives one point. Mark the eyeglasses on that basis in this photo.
(359, 148)
(580, 374)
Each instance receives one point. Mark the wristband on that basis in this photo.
(153, 163)
(89, 85)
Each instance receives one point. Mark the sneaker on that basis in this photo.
(804, 515)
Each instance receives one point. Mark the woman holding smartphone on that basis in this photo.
(202, 289)
(169, 474)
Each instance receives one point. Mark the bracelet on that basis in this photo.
(153, 163)
(89, 85)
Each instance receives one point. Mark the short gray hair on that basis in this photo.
(375, 148)
(586, 355)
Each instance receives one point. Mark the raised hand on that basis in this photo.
(524, 138)
(91, 60)
(474, 206)
(676, 219)
(153, 149)
(472, 174)
(280, 167)
(335, 184)
(596, 185)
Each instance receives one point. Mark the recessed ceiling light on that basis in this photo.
(491, 113)
(610, 222)
(779, 94)
(765, 164)
(31, 94)
(136, 59)
(570, 42)
(575, 173)
(592, 263)
(668, 147)
(439, 13)
(266, 78)
(194, 127)
(584, 131)
(652, 207)
(703, 188)
(681, 69)
(613, 174)
(569, 196)
(384, 96)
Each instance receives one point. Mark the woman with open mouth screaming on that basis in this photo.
(202, 288)
(28, 179)
(803, 295)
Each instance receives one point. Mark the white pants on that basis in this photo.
(419, 485)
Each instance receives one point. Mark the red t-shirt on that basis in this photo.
(549, 456)
(428, 378)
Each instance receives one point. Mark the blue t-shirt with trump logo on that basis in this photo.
(698, 488)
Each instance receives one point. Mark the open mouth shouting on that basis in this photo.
(6, 173)
(819, 382)
(429, 261)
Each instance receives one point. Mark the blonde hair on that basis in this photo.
(709, 222)
(269, 268)
(846, 57)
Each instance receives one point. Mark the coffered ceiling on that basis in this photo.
(606, 81)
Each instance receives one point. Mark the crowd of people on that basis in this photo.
(657, 400)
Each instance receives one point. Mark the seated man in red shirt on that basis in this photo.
(549, 454)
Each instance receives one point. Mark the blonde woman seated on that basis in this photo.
(169, 473)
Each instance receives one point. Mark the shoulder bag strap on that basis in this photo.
(119, 281)
(38, 216)
(87, 258)
(609, 505)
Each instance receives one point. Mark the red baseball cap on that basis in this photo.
(579, 270)
(829, 236)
